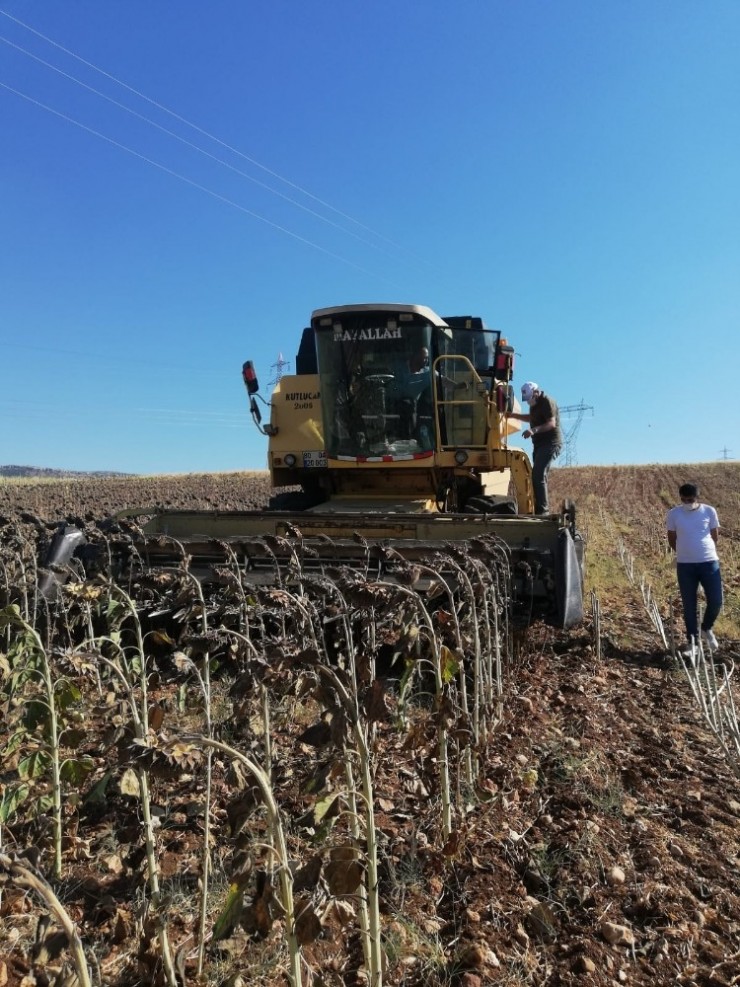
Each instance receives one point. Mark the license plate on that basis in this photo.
(314, 460)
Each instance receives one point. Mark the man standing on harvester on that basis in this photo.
(547, 439)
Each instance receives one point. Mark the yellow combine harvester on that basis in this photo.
(393, 437)
(394, 409)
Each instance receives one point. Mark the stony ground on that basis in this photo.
(610, 854)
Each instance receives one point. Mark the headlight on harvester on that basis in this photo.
(461, 457)
(289, 460)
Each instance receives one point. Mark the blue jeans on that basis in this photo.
(691, 575)
(542, 457)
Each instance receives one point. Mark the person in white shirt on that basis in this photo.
(693, 528)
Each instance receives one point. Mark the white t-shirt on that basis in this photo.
(694, 542)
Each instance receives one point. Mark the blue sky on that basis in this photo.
(182, 184)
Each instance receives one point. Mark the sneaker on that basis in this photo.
(710, 641)
(687, 649)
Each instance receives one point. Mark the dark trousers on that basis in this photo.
(542, 457)
(691, 575)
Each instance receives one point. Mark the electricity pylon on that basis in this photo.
(277, 369)
(570, 435)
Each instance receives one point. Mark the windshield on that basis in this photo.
(471, 339)
(376, 390)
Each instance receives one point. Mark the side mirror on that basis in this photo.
(250, 378)
(505, 362)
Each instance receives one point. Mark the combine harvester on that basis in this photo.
(393, 439)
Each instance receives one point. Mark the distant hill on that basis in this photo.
(41, 472)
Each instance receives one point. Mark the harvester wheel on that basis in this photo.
(489, 505)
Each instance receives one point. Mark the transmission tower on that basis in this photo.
(277, 369)
(570, 434)
(726, 453)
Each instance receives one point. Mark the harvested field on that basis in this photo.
(179, 769)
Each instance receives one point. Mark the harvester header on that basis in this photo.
(392, 444)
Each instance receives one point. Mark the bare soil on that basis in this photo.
(600, 847)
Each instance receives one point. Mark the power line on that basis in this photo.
(190, 144)
(200, 130)
(189, 181)
(88, 358)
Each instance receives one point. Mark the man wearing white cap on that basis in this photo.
(547, 439)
